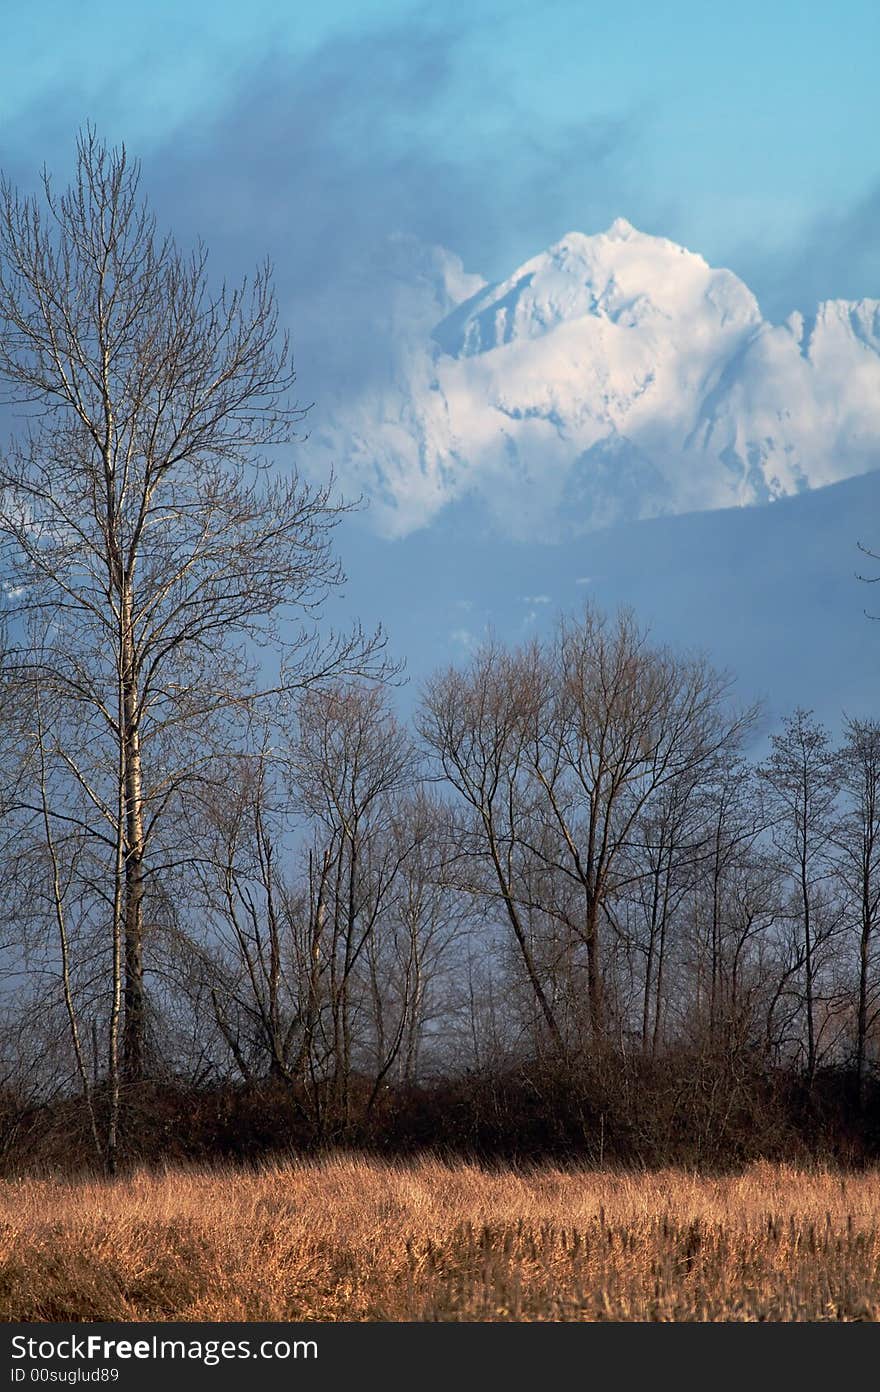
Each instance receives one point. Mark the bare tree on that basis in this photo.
(857, 839)
(801, 778)
(164, 583)
(560, 749)
(246, 919)
(411, 959)
(473, 722)
(664, 862)
(615, 725)
(352, 762)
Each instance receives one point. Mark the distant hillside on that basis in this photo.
(770, 591)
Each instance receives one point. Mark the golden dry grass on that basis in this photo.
(352, 1238)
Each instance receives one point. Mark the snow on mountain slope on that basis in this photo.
(611, 377)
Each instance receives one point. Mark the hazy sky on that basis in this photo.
(316, 132)
(746, 131)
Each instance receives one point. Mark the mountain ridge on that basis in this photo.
(770, 594)
(610, 377)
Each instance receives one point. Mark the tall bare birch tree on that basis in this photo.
(149, 548)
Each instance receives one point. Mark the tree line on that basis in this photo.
(229, 867)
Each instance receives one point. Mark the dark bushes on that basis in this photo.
(695, 1110)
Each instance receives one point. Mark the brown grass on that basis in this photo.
(351, 1238)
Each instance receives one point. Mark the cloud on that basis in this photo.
(419, 127)
(348, 164)
(837, 256)
(342, 165)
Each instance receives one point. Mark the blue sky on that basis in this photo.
(747, 131)
(314, 133)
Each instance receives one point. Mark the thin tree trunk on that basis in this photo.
(64, 941)
(661, 963)
(808, 975)
(134, 1023)
(519, 933)
(113, 1062)
(862, 1020)
(649, 957)
(594, 969)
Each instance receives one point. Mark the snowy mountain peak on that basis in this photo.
(611, 376)
(624, 276)
(620, 230)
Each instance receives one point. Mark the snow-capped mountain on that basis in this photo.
(611, 377)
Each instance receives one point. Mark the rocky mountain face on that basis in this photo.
(610, 378)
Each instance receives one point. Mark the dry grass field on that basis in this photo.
(356, 1239)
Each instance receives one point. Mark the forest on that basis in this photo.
(581, 903)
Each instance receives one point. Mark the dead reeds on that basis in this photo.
(352, 1238)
